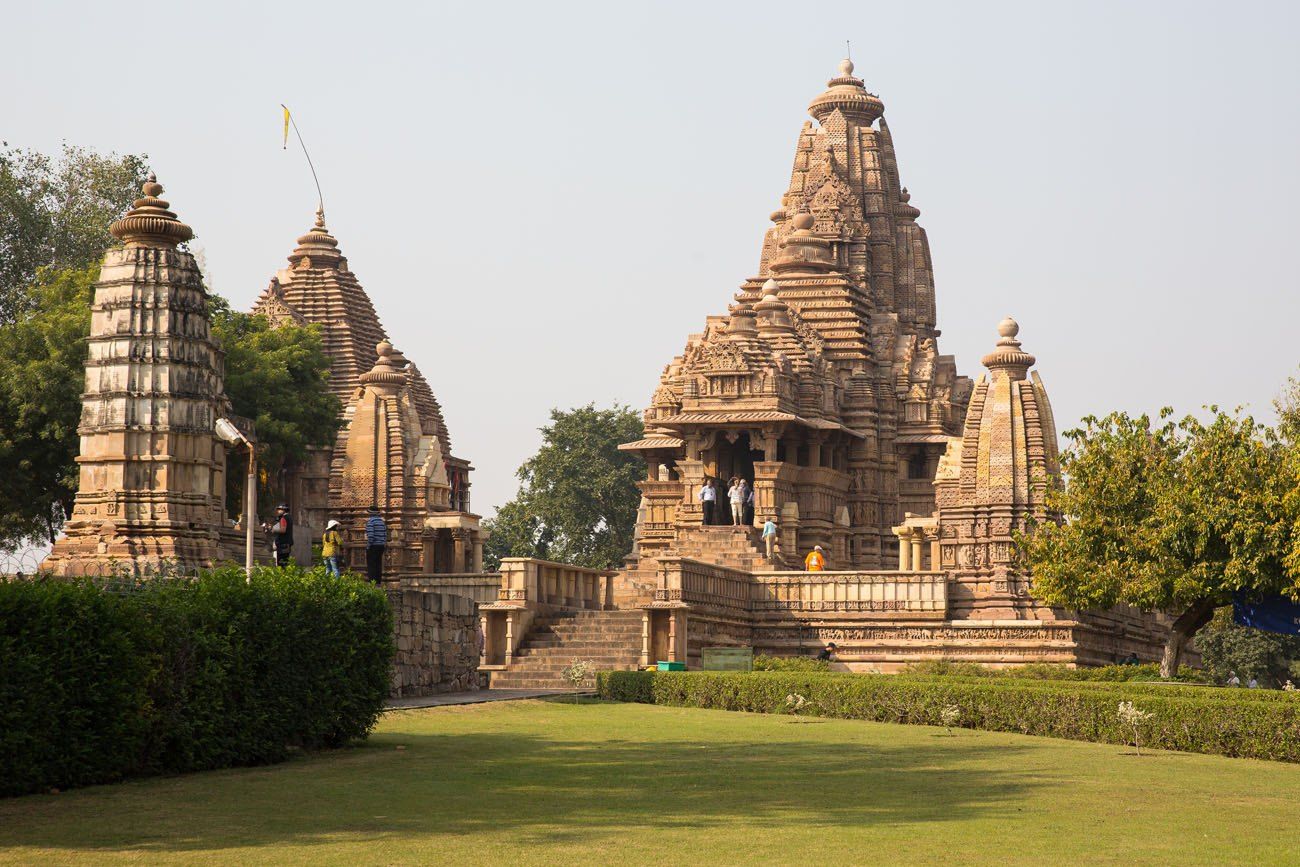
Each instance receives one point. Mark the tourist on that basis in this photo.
(815, 561)
(1233, 680)
(708, 498)
(827, 653)
(331, 543)
(376, 540)
(1253, 684)
(281, 530)
(769, 537)
(1131, 659)
(749, 504)
(736, 496)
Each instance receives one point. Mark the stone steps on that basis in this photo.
(609, 640)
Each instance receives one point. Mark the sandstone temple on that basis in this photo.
(393, 448)
(823, 386)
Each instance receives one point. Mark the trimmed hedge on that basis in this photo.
(100, 681)
(790, 663)
(1045, 671)
(1254, 729)
(1131, 689)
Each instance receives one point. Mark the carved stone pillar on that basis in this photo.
(477, 555)
(458, 539)
(904, 549)
(917, 564)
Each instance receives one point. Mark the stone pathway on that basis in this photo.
(477, 696)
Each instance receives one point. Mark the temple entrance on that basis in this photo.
(736, 459)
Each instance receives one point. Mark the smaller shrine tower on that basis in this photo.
(992, 482)
(152, 471)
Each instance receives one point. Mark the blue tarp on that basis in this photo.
(1274, 614)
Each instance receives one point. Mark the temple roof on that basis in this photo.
(319, 288)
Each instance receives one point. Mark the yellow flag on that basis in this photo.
(286, 126)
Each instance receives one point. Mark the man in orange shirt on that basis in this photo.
(814, 562)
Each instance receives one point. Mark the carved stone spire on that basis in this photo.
(148, 223)
(849, 95)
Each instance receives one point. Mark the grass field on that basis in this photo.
(544, 782)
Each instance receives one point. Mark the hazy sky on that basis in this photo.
(544, 199)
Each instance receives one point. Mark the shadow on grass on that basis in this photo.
(537, 787)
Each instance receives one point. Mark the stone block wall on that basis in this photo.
(437, 643)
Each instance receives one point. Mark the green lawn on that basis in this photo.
(549, 782)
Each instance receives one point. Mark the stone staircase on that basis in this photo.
(735, 547)
(609, 640)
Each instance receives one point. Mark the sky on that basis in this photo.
(544, 199)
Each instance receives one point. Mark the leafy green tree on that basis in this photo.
(55, 213)
(42, 359)
(1172, 516)
(278, 377)
(1227, 648)
(578, 497)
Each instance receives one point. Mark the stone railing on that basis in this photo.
(886, 592)
(732, 591)
(482, 587)
(696, 583)
(527, 581)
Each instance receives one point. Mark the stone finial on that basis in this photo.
(801, 250)
(849, 95)
(774, 315)
(742, 320)
(388, 375)
(148, 223)
(905, 210)
(1008, 355)
(318, 246)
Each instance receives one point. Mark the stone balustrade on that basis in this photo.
(887, 592)
(721, 589)
(526, 580)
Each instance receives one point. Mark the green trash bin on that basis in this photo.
(671, 666)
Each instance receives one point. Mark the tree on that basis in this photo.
(55, 213)
(42, 362)
(278, 377)
(1227, 648)
(578, 497)
(1176, 517)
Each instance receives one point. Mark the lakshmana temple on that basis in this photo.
(823, 386)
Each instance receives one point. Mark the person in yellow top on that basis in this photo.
(331, 545)
(815, 561)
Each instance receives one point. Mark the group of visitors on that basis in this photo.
(331, 542)
(739, 496)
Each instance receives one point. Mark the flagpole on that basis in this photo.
(320, 197)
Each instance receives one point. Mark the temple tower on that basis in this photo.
(993, 482)
(319, 288)
(152, 472)
(856, 444)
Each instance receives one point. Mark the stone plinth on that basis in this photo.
(437, 643)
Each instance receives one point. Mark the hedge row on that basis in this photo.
(100, 682)
(1130, 689)
(1046, 671)
(1263, 730)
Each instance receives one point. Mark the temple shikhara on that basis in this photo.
(393, 449)
(151, 493)
(821, 385)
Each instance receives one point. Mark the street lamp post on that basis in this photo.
(231, 434)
